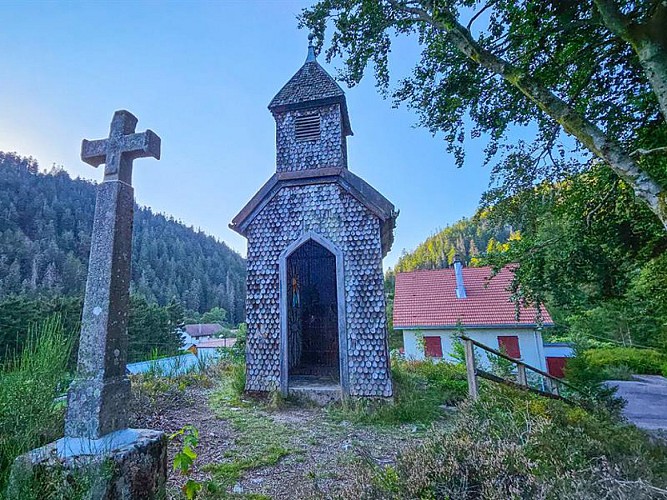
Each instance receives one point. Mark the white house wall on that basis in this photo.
(530, 343)
(559, 350)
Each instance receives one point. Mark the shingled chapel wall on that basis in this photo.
(334, 214)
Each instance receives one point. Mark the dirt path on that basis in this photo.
(248, 450)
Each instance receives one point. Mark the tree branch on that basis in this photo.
(592, 137)
(474, 18)
(601, 204)
(644, 152)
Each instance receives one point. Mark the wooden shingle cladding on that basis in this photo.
(313, 199)
(353, 232)
(353, 184)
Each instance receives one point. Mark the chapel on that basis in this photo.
(317, 234)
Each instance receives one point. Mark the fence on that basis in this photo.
(552, 387)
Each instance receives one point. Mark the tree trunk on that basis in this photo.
(648, 40)
(653, 58)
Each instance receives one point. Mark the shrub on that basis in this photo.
(511, 444)
(596, 365)
(29, 384)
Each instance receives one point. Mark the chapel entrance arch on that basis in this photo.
(313, 348)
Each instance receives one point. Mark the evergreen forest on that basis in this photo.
(45, 228)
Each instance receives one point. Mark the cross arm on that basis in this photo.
(94, 152)
(142, 145)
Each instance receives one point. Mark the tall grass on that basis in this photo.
(29, 384)
(421, 388)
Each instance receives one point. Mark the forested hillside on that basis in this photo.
(469, 238)
(45, 225)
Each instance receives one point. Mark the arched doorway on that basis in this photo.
(313, 350)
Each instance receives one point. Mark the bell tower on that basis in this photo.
(317, 234)
(312, 122)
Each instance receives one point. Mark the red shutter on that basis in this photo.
(510, 345)
(556, 366)
(433, 347)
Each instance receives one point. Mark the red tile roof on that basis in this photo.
(203, 329)
(428, 299)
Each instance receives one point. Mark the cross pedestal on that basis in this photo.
(96, 433)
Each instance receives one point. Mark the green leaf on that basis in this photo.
(191, 488)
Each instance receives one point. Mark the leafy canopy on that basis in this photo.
(555, 66)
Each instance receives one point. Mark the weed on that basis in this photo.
(29, 384)
(185, 458)
(511, 444)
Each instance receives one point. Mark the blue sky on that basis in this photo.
(201, 74)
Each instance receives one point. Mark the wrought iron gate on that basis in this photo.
(312, 311)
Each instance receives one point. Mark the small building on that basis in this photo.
(432, 307)
(193, 334)
(209, 348)
(317, 235)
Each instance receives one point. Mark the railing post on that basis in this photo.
(521, 375)
(471, 369)
(548, 385)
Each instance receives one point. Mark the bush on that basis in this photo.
(640, 361)
(29, 384)
(421, 388)
(511, 444)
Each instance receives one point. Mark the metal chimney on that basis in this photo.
(458, 271)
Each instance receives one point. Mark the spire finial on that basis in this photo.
(311, 49)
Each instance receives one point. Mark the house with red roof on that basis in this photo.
(431, 307)
(195, 333)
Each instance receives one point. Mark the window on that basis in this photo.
(510, 345)
(307, 128)
(433, 347)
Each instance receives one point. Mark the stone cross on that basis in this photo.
(98, 397)
(121, 148)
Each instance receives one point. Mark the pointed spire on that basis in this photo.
(311, 57)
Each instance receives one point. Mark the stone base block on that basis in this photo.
(126, 464)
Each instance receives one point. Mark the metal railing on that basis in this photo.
(552, 386)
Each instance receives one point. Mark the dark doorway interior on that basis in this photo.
(312, 310)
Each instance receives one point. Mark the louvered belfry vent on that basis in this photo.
(307, 128)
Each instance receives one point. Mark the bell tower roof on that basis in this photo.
(311, 86)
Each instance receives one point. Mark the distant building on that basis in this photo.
(194, 334)
(432, 307)
(210, 347)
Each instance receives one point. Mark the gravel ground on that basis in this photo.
(316, 455)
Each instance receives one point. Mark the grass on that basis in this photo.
(29, 384)
(259, 442)
(421, 389)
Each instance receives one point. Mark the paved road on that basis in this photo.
(647, 400)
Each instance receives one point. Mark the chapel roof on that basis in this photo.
(311, 86)
(349, 182)
(427, 299)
